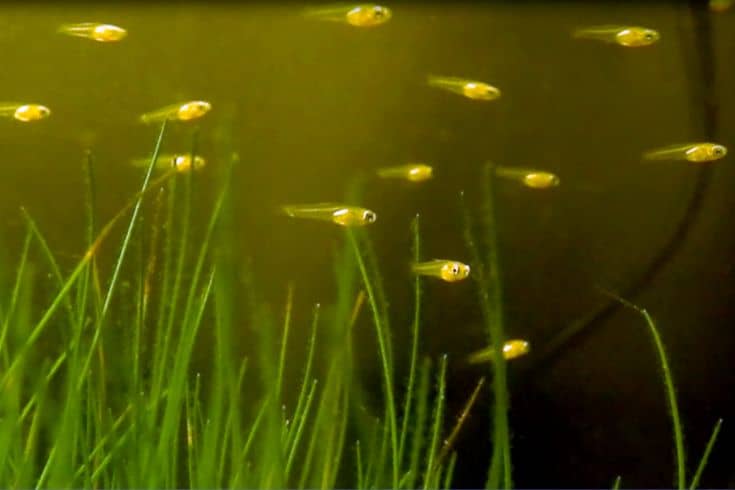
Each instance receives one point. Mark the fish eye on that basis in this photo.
(455, 269)
(648, 36)
(369, 216)
(718, 150)
(378, 12)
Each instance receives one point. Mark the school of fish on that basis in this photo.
(367, 16)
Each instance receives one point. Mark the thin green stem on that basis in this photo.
(384, 357)
(121, 257)
(705, 456)
(670, 391)
(415, 327)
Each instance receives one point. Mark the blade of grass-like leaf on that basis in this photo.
(358, 466)
(419, 423)
(192, 321)
(168, 434)
(37, 330)
(669, 385)
(249, 440)
(121, 255)
(103, 442)
(449, 441)
(487, 278)
(296, 420)
(111, 454)
(284, 341)
(31, 401)
(14, 296)
(437, 423)
(330, 477)
(89, 200)
(415, 324)
(616, 483)
(705, 456)
(494, 293)
(381, 335)
(449, 472)
(41, 483)
(299, 430)
(56, 271)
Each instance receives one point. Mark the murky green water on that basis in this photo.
(310, 106)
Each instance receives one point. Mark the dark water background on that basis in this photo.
(310, 105)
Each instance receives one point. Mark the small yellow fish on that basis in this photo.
(446, 270)
(692, 152)
(471, 89)
(182, 162)
(536, 179)
(629, 36)
(511, 350)
(355, 15)
(414, 172)
(185, 111)
(104, 33)
(24, 112)
(340, 214)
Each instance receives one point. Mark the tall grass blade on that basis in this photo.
(705, 456)
(680, 480)
(381, 335)
(415, 326)
(121, 254)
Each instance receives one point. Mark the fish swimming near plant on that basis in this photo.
(355, 15)
(24, 112)
(691, 152)
(184, 111)
(181, 162)
(340, 214)
(511, 349)
(446, 270)
(472, 89)
(628, 36)
(104, 33)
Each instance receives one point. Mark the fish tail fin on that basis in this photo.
(433, 80)
(481, 356)
(654, 155)
(288, 211)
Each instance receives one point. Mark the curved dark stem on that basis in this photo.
(700, 67)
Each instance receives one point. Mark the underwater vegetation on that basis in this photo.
(106, 379)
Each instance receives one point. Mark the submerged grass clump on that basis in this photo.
(106, 387)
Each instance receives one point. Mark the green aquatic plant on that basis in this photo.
(668, 381)
(487, 274)
(108, 385)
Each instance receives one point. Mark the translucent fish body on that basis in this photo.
(629, 36)
(535, 179)
(104, 33)
(355, 15)
(185, 111)
(511, 349)
(412, 172)
(339, 214)
(471, 89)
(24, 112)
(181, 162)
(691, 152)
